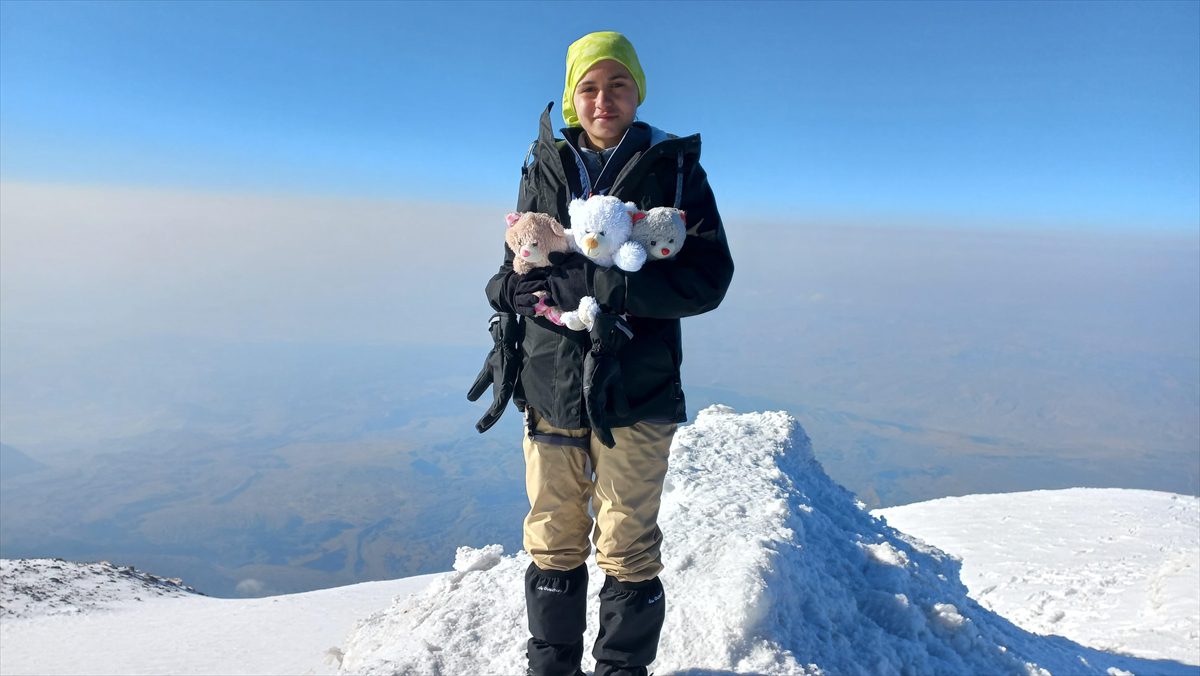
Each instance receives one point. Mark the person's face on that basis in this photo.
(606, 100)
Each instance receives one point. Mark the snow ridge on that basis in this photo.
(41, 587)
(771, 568)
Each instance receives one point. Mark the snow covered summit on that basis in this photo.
(771, 568)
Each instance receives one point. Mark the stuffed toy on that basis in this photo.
(532, 237)
(661, 232)
(600, 228)
(583, 317)
(611, 232)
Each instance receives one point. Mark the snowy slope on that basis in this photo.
(772, 568)
(1114, 569)
(125, 628)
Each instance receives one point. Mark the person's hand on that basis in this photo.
(602, 382)
(500, 368)
(529, 289)
(568, 279)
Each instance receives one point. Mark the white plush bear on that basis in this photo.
(661, 232)
(583, 317)
(600, 229)
(614, 233)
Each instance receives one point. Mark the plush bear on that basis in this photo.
(661, 232)
(532, 237)
(600, 228)
(614, 233)
(583, 317)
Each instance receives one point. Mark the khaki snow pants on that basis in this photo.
(566, 469)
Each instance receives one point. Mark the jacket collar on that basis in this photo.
(653, 142)
(634, 141)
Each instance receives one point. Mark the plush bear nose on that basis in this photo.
(666, 251)
(591, 242)
(525, 252)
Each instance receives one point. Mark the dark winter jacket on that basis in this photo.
(651, 169)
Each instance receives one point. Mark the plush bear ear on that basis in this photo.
(637, 216)
(512, 218)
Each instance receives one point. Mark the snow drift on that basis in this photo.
(771, 568)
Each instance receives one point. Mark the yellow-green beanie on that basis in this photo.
(591, 49)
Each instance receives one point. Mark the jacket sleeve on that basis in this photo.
(693, 282)
(499, 288)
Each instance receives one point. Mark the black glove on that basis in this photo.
(602, 374)
(500, 368)
(526, 289)
(568, 279)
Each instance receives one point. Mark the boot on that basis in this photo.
(631, 620)
(556, 602)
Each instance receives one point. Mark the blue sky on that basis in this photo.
(1064, 115)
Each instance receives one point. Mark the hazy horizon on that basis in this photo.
(267, 393)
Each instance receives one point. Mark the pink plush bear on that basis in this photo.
(532, 237)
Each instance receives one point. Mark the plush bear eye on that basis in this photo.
(653, 242)
(533, 243)
(601, 233)
(672, 241)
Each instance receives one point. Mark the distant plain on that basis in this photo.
(265, 394)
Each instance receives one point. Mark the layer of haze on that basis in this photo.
(270, 389)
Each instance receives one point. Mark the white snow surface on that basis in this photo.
(1114, 569)
(129, 630)
(771, 568)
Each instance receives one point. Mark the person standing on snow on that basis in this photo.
(635, 346)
